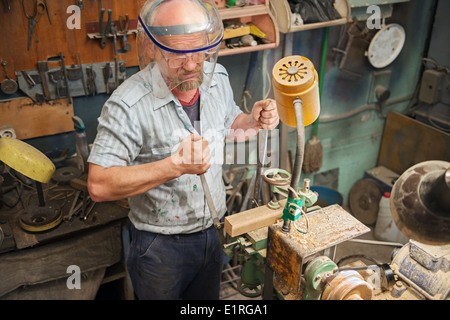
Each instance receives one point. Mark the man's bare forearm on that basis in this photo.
(114, 183)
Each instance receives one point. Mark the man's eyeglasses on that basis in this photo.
(177, 60)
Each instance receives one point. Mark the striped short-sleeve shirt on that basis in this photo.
(144, 122)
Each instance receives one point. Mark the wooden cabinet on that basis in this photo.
(258, 15)
(287, 22)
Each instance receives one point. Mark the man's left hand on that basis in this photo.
(265, 113)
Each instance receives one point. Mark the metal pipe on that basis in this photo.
(40, 194)
(263, 136)
(378, 243)
(300, 149)
(210, 202)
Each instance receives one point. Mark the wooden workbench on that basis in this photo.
(37, 265)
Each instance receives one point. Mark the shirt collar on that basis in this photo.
(162, 94)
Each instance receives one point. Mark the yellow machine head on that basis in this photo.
(295, 77)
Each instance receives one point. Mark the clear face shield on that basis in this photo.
(182, 39)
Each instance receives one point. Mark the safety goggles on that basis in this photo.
(177, 60)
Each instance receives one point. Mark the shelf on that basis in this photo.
(261, 17)
(237, 12)
(227, 51)
(284, 17)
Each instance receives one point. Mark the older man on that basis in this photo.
(158, 132)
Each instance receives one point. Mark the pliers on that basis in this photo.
(104, 33)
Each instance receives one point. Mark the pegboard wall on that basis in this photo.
(53, 64)
(69, 28)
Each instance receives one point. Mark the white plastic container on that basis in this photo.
(385, 228)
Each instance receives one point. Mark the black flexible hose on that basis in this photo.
(300, 150)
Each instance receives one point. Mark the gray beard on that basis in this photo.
(190, 85)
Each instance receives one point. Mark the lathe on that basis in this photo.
(287, 247)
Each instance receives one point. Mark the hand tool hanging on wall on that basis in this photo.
(122, 70)
(48, 82)
(29, 79)
(8, 85)
(63, 66)
(107, 74)
(43, 68)
(82, 75)
(75, 72)
(55, 78)
(114, 32)
(8, 5)
(38, 9)
(116, 73)
(104, 32)
(48, 13)
(91, 86)
(124, 23)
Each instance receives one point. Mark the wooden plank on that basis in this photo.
(31, 120)
(252, 219)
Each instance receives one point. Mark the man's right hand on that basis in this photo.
(193, 155)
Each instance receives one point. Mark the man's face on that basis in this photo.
(182, 71)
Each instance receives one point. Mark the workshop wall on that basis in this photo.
(65, 36)
(350, 129)
(65, 28)
(351, 144)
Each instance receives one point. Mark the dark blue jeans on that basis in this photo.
(171, 267)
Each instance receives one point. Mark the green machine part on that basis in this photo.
(252, 276)
(292, 210)
(317, 271)
(251, 254)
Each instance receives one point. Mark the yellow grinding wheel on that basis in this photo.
(26, 159)
(35, 165)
